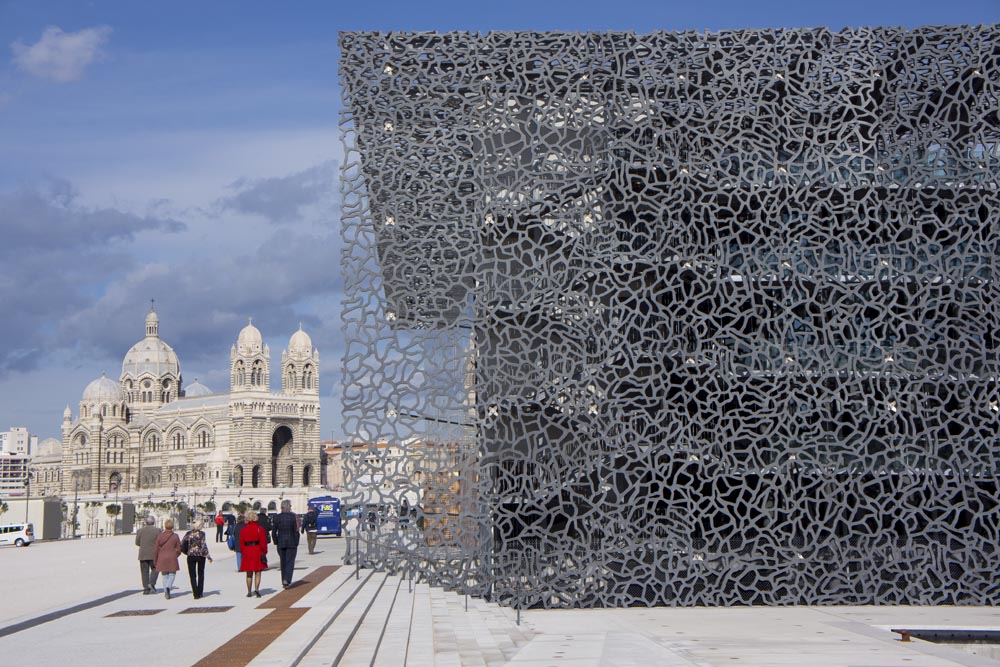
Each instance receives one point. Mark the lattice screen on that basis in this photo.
(678, 318)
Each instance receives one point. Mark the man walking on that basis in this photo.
(237, 529)
(265, 522)
(145, 539)
(285, 533)
(309, 527)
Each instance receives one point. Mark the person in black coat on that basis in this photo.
(285, 533)
(265, 522)
(310, 527)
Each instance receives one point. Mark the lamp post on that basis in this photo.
(114, 529)
(100, 429)
(76, 505)
(27, 490)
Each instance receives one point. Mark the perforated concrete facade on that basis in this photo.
(688, 318)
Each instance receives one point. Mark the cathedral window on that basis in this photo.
(178, 440)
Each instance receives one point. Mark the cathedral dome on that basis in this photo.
(49, 447)
(250, 340)
(196, 389)
(300, 342)
(151, 355)
(103, 390)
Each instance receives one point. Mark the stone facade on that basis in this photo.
(147, 432)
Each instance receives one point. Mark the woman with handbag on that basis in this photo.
(166, 550)
(195, 547)
(253, 546)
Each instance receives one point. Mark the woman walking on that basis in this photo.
(196, 548)
(165, 552)
(253, 546)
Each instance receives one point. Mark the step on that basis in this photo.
(316, 597)
(332, 643)
(488, 647)
(420, 647)
(446, 642)
(327, 601)
(392, 650)
(502, 624)
(367, 641)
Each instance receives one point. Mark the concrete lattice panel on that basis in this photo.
(679, 318)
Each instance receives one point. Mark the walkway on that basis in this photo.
(80, 601)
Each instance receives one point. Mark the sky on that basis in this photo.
(187, 152)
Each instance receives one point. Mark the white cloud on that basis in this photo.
(61, 56)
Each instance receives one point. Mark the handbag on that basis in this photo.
(263, 560)
(231, 543)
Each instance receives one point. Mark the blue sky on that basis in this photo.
(187, 152)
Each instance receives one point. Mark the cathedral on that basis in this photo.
(147, 431)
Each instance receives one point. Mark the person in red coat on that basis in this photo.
(253, 546)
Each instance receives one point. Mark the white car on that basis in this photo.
(18, 534)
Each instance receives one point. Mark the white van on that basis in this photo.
(18, 534)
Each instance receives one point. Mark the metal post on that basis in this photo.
(76, 495)
(27, 495)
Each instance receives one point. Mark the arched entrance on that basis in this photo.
(255, 477)
(114, 482)
(238, 475)
(281, 449)
(307, 475)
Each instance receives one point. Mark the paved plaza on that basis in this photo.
(80, 601)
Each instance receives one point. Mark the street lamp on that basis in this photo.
(76, 505)
(27, 490)
(118, 508)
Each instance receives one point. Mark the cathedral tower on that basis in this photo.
(300, 366)
(250, 362)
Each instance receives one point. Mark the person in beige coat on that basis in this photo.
(166, 551)
(145, 539)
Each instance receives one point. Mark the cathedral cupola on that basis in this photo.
(152, 323)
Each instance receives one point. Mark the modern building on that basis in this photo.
(18, 440)
(729, 301)
(13, 475)
(147, 431)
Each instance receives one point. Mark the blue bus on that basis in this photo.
(328, 519)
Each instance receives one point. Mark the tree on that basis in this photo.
(113, 509)
(3, 507)
(208, 506)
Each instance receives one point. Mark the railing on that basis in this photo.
(454, 569)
